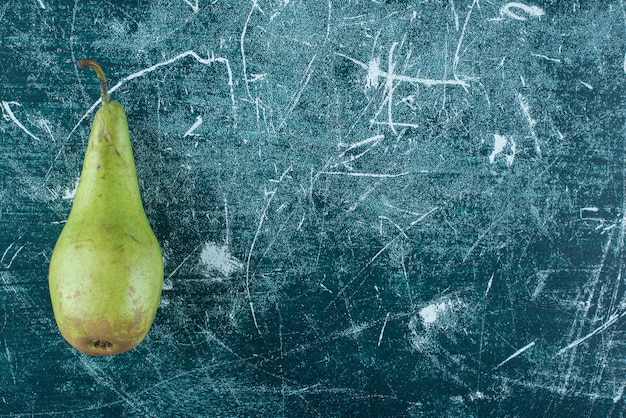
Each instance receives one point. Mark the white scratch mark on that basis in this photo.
(9, 115)
(386, 246)
(257, 77)
(394, 123)
(542, 276)
(479, 239)
(197, 123)
(532, 11)
(402, 233)
(517, 353)
(531, 122)
(328, 19)
(6, 251)
(296, 99)
(256, 324)
(489, 284)
(408, 212)
(362, 198)
(355, 174)
(46, 125)
(14, 255)
(501, 64)
(211, 59)
(455, 14)
(194, 7)
(620, 393)
(43, 6)
(589, 86)
(103, 379)
(226, 222)
(349, 147)
(374, 141)
(299, 227)
(382, 217)
(271, 195)
(242, 38)
(407, 282)
(624, 17)
(382, 330)
(593, 209)
(547, 58)
(183, 262)
(612, 320)
(326, 289)
(355, 329)
(9, 358)
(389, 89)
(457, 53)
(374, 72)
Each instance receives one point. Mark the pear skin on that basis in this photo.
(106, 270)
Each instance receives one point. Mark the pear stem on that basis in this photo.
(104, 92)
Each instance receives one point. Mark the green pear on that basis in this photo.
(106, 270)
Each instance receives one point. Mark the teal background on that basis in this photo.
(366, 208)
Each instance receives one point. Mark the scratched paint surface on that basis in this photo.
(365, 207)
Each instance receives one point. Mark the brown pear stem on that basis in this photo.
(104, 92)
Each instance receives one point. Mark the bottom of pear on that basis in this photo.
(99, 337)
(101, 344)
(101, 347)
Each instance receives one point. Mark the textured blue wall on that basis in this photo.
(391, 208)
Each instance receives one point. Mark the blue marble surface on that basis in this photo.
(366, 208)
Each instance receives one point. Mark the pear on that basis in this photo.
(106, 270)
